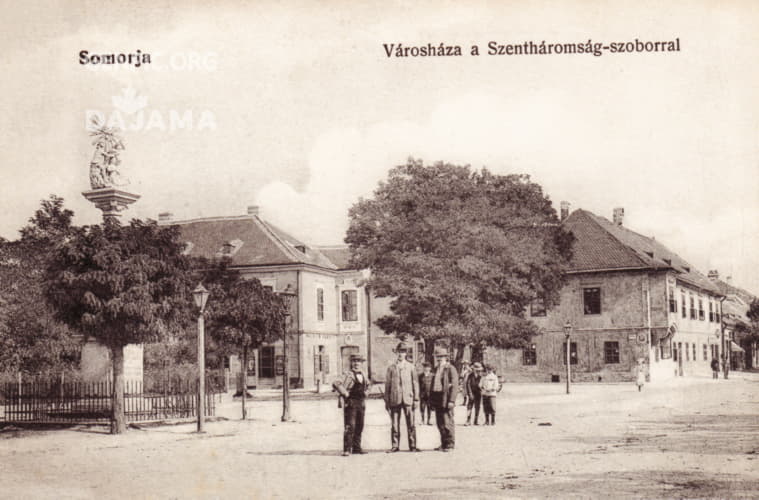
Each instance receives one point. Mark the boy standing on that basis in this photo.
(490, 387)
(425, 388)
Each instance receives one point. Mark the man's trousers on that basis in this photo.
(395, 429)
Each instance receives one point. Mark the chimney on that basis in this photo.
(165, 216)
(619, 216)
(713, 275)
(564, 210)
(253, 209)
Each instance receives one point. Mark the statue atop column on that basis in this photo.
(104, 166)
(105, 177)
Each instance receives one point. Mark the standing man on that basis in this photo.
(352, 387)
(401, 396)
(473, 394)
(425, 388)
(443, 399)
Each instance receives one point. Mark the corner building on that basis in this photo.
(627, 297)
(329, 321)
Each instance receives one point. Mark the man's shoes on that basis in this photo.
(393, 449)
(467, 424)
(346, 453)
(446, 450)
(414, 449)
(429, 423)
(439, 448)
(359, 452)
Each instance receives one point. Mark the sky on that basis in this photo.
(295, 107)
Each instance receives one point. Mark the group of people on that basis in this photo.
(432, 391)
(480, 386)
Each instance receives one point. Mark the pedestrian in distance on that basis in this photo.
(445, 385)
(473, 393)
(465, 371)
(715, 368)
(640, 379)
(352, 388)
(490, 386)
(425, 387)
(401, 397)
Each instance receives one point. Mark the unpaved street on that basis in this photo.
(681, 439)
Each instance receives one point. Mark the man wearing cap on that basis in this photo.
(352, 386)
(443, 398)
(401, 396)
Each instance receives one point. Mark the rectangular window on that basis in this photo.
(350, 305)
(711, 311)
(320, 304)
(572, 353)
(666, 349)
(701, 309)
(538, 307)
(266, 363)
(692, 307)
(687, 352)
(672, 302)
(591, 299)
(694, 351)
(706, 355)
(684, 309)
(611, 352)
(529, 355)
(675, 352)
(716, 316)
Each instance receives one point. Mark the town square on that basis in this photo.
(379, 250)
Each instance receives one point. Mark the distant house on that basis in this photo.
(743, 351)
(330, 320)
(627, 297)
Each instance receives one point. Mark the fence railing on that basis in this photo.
(51, 402)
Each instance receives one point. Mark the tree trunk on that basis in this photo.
(459, 355)
(429, 351)
(477, 353)
(118, 418)
(244, 382)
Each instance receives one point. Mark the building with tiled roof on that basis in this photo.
(744, 353)
(628, 300)
(330, 320)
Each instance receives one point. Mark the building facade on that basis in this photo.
(627, 298)
(330, 315)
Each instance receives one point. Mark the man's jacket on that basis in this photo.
(401, 385)
(450, 384)
(348, 386)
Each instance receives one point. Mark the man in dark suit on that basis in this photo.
(401, 396)
(445, 385)
(352, 387)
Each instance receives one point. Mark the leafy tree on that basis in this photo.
(462, 252)
(120, 285)
(31, 340)
(242, 314)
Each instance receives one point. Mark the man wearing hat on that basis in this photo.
(352, 386)
(443, 398)
(401, 396)
(465, 371)
(473, 393)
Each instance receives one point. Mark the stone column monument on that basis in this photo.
(108, 193)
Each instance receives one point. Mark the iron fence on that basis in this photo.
(78, 402)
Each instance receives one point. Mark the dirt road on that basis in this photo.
(688, 438)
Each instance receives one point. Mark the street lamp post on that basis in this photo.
(200, 295)
(288, 297)
(567, 334)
